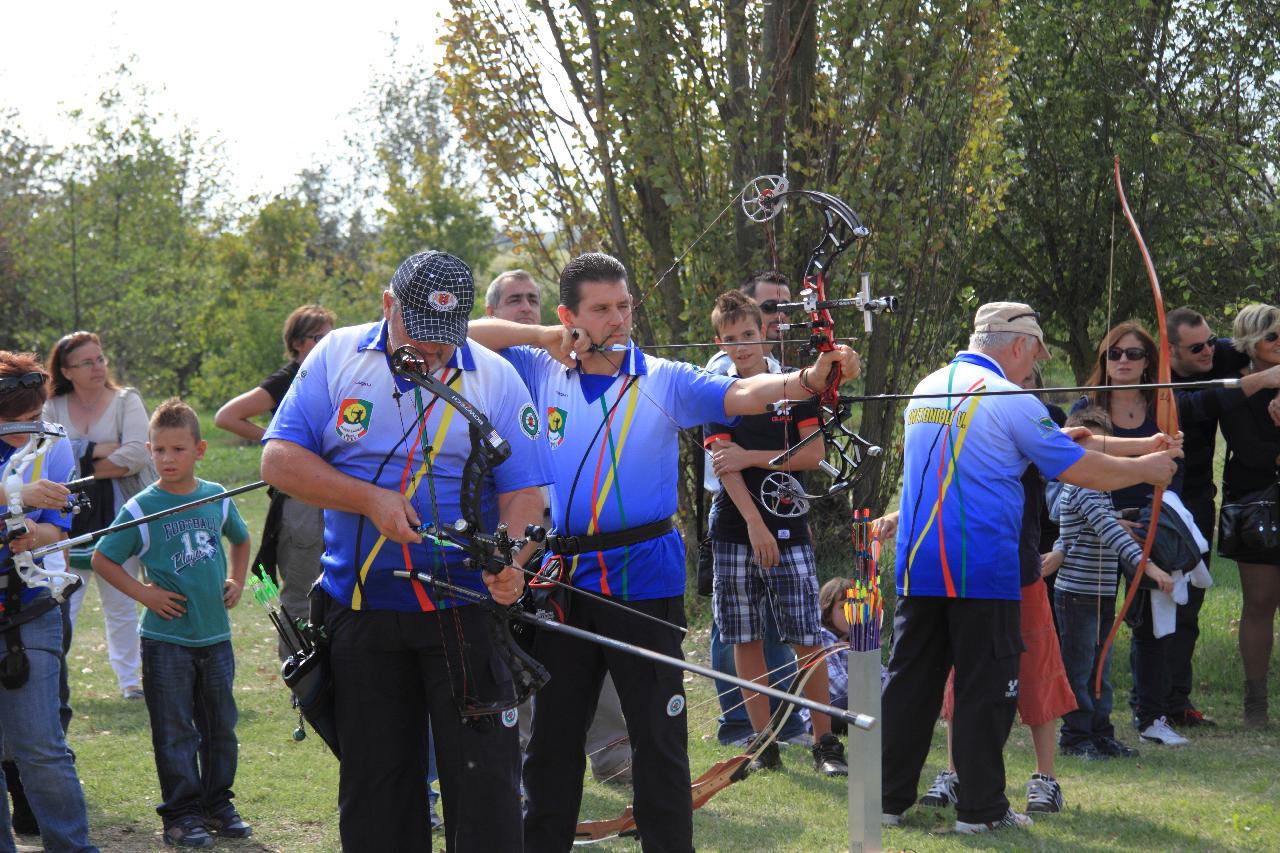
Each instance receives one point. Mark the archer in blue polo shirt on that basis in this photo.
(347, 407)
(957, 558)
(612, 418)
(961, 493)
(382, 457)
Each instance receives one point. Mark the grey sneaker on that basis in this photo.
(1011, 820)
(1044, 794)
(228, 823)
(187, 831)
(942, 792)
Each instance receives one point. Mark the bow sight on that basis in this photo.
(810, 303)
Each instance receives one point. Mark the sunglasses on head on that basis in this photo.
(29, 381)
(1131, 353)
(1034, 315)
(1196, 349)
(770, 306)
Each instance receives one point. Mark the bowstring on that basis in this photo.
(1111, 266)
(441, 558)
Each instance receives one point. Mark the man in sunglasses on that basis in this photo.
(1196, 354)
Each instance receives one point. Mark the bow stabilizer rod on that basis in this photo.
(545, 620)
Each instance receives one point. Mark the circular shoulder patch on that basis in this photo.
(675, 705)
(510, 717)
(529, 421)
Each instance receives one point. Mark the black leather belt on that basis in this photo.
(571, 545)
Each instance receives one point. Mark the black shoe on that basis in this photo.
(227, 823)
(1109, 747)
(768, 758)
(187, 831)
(1084, 750)
(828, 756)
(1190, 717)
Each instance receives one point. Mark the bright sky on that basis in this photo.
(273, 80)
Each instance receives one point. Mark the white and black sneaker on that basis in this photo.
(942, 792)
(1011, 820)
(1044, 794)
(1158, 731)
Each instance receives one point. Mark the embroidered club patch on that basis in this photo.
(1047, 426)
(442, 300)
(555, 426)
(529, 421)
(675, 705)
(510, 717)
(353, 419)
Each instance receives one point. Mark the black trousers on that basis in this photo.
(653, 703)
(1149, 660)
(1182, 644)
(391, 680)
(982, 639)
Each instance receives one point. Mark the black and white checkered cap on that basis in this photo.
(436, 293)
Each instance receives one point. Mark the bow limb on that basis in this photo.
(1166, 420)
(725, 772)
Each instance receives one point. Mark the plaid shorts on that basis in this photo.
(742, 590)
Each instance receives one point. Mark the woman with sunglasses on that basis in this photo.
(1127, 356)
(1253, 464)
(293, 535)
(32, 665)
(107, 425)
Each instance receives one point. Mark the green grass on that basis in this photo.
(1219, 793)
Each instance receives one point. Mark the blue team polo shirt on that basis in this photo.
(57, 464)
(347, 407)
(614, 446)
(962, 496)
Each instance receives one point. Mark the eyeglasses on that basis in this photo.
(28, 381)
(1196, 349)
(100, 361)
(773, 306)
(1131, 353)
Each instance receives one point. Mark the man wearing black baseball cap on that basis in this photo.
(382, 456)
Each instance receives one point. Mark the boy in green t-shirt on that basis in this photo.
(187, 662)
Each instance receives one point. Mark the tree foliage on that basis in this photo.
(129, 232)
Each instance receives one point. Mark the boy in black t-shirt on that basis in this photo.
(763, 555)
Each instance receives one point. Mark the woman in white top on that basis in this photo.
(108, 428)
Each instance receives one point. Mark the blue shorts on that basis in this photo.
(742, 589)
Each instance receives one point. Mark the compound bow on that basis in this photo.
(762, 200)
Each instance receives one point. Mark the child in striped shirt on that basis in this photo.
(1093, 541)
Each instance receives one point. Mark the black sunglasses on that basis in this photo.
(771, 306)
(1131, 353)
(29, 381)
(1034, 315)
(1196, 349)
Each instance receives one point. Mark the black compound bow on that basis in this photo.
(762, 200)
(489, 552)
